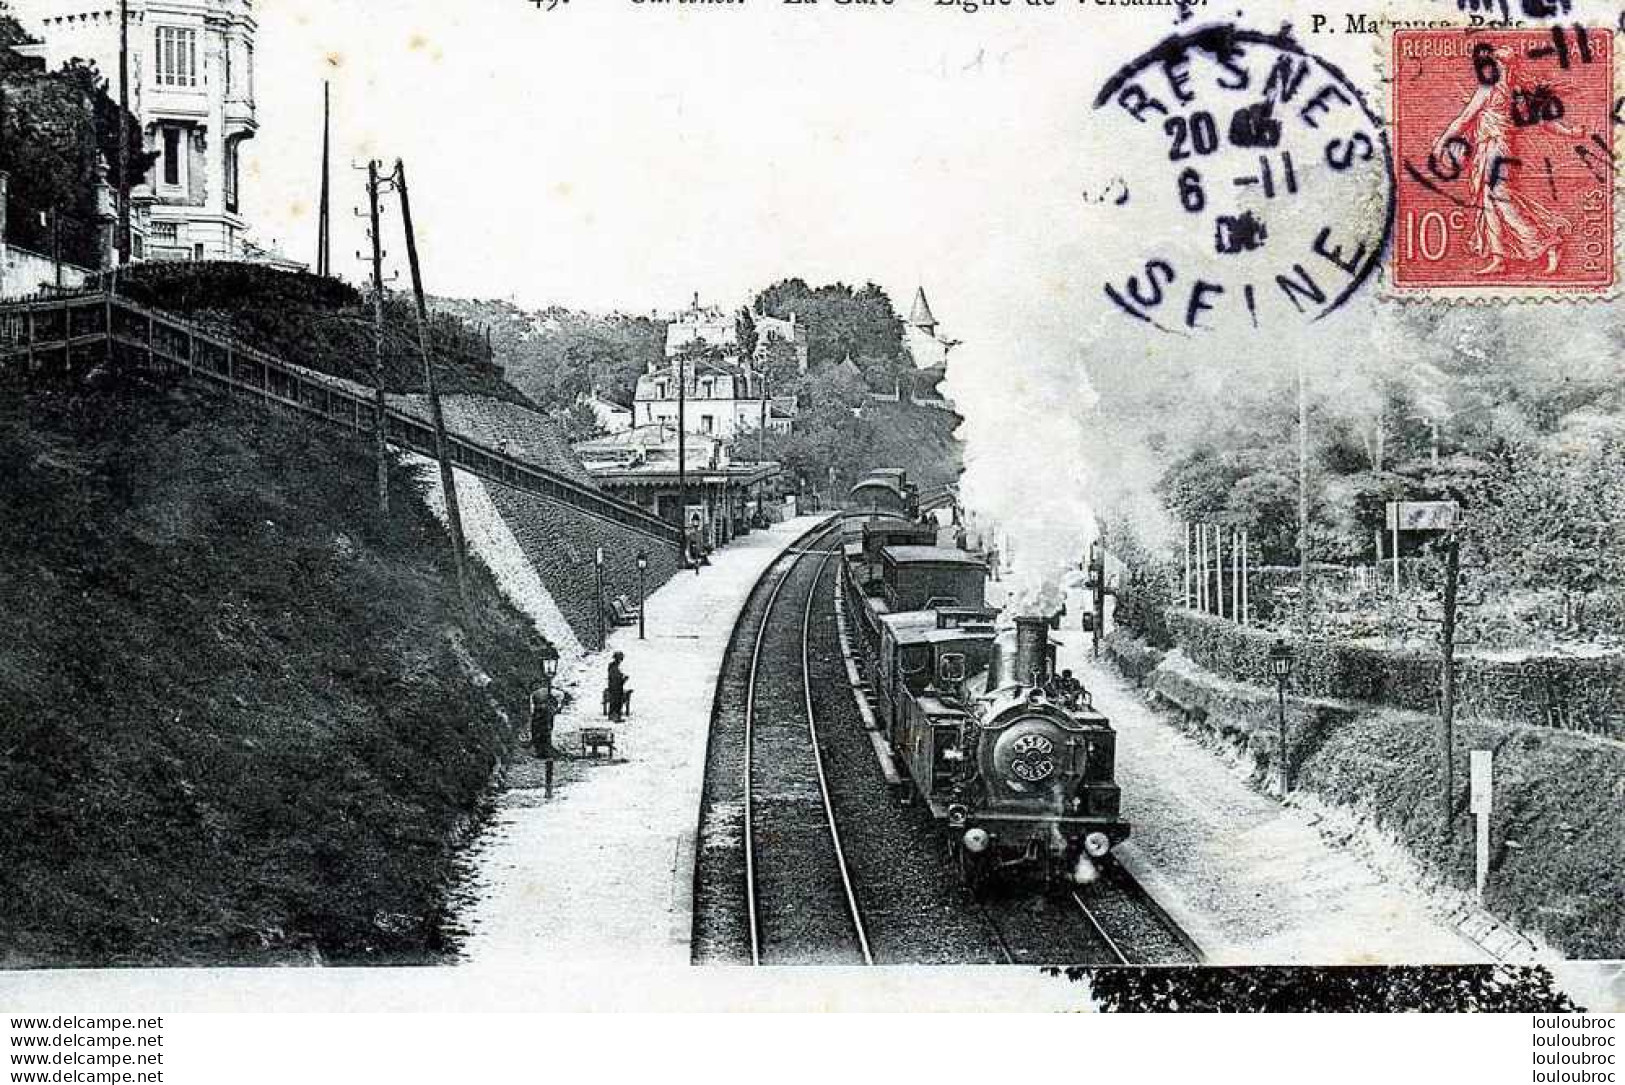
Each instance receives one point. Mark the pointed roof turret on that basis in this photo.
(921, 316)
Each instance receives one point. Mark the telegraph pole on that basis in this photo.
(123, 228)
(448, 475)
(1303, 498)
(380, 437)
(324, 229)
(682, 458)
(1447, 680)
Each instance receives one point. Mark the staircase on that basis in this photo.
(73, 336)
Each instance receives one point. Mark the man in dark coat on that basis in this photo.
(617, 687)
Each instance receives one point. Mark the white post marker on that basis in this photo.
(1483, 786)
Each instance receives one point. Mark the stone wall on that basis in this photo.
(23, 272)
(1576, 693)
(561, 541)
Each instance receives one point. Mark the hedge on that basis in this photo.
(1575, 693)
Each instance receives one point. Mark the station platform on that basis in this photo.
(601, 874)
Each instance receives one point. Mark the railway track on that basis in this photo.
(772, 882)
(789, 764)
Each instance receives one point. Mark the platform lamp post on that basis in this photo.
(598, 576)
(643, 590)
(1281, 668)
(550, 670)
(550, 664)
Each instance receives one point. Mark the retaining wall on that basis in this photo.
(1574, 693)
(560, 542)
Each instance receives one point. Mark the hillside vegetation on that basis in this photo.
(322, 324)
(240, 721)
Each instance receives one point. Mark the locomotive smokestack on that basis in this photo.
(1032, 642)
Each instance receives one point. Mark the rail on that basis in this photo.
(752, 893)
(52, 333)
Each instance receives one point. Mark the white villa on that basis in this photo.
(724, 399)
(192, 88)
(726, 395)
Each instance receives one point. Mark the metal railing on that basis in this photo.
(64, 335)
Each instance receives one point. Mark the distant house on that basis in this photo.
(710, 326)
(930, 350)
(724, 399)
(726, 394)
(612, 417)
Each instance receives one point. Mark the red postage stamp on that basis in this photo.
(1504, 161)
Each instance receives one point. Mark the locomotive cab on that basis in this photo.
(930, 724)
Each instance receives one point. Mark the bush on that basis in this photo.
(1579, 692)
(322, 324)
(244, 718)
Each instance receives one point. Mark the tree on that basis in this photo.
(840, 321)
(779, 363)
(1548, 516)
(745, 329)
(58, 139)
(579, 422)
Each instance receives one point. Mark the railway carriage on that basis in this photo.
(885, 491)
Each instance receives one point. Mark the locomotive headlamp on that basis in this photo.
(957, 816)
(976, 840)
(1097, 845)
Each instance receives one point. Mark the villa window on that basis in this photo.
(707, 424)
(231, 176)
(173, 147)
(177, 57)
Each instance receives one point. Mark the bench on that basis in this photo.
(622, 612)
(594, 739)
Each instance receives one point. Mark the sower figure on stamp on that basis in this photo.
(616, 693)
(1511, 223)
(544, 708)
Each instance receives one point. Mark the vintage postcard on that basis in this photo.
(1018, 504)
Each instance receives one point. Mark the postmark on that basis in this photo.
(1505, 145)
(1260, 182)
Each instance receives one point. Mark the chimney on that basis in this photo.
(1032, 650)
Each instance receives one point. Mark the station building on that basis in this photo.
(640, 466)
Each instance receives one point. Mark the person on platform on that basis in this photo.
(544, 708)
(615, 696)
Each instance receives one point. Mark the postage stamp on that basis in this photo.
(1270, 163)
(1506, 173)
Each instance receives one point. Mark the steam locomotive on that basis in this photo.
(1018, 770)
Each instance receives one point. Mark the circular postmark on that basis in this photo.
(1260, 183)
